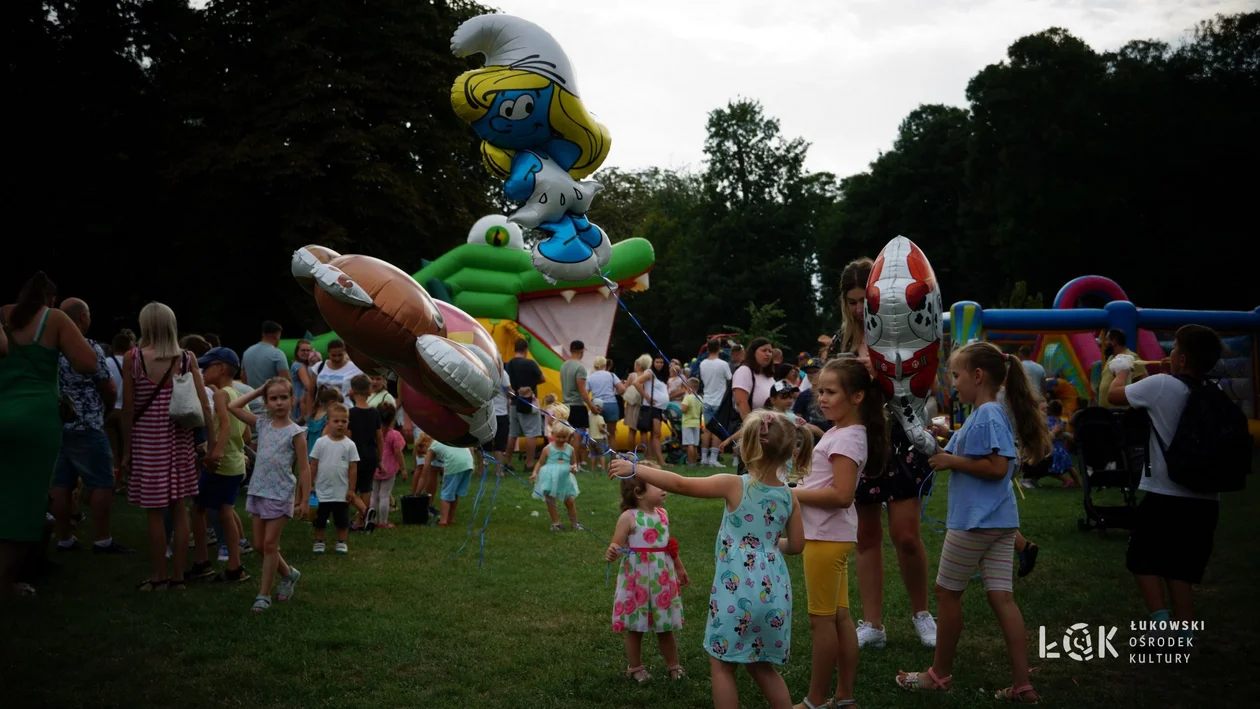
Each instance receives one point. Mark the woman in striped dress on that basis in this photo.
(158, 451)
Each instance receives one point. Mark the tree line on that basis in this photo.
(165, 152)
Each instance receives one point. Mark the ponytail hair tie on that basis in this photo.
(765, 430)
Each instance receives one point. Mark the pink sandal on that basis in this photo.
(1016, 695)
(909, 681)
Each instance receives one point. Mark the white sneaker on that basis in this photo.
(318, 548)
(925, 626)
(867, 634)
(223, 552)
(342, 548)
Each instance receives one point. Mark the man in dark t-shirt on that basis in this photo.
(524, 419)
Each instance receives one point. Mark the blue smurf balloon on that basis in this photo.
(538, 136)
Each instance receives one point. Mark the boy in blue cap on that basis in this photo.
(218, 487)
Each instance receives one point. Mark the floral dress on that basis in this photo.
(750, 602)
(647, 599)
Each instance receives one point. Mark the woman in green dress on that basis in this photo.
(30, 422)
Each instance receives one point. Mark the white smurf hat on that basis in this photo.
(510, 41)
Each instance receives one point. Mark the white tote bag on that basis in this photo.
(185, 404)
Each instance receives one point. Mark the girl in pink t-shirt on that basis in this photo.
(849, 398)
(389, 467)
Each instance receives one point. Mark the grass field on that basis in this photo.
(399, 623)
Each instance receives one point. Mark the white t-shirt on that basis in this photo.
(116, 374)
(337, 378)
(657, 391)
(758, 387)
(1164, 398)
(833, 524)
(332, 482)
(715, 374)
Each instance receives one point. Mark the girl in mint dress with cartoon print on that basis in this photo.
(649, 577)
(749, 622)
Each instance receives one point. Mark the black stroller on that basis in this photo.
(1112, 448)
(672, 447)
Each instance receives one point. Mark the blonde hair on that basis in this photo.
(601, 362)
(338, 408)
(159, 330)
(644, 361)
(474, 92)
(548, 400)
(768, 440)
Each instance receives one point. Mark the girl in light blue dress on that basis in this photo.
(750, 601)
(553, 476)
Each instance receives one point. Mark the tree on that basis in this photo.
(762, 321)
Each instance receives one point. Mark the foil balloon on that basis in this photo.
(495, 230)
(443, 424)
(903, 333)
(537, 135)
(390, 321)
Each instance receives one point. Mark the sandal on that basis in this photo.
(909, 681)
(638, 674)
(676, 672)
(1016, 695)
(261, 604)
(810, 705)
(153, 585)
(837, 703)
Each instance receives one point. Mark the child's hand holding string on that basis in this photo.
(620, 468)
(611, 553)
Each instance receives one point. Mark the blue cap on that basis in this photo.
(219, 354)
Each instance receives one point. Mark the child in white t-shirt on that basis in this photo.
(334, 469)
(1174, 527)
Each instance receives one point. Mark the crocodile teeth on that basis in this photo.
(640, 283)
(603, 290)
(568, 295)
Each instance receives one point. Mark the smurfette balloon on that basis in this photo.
(903, 332)
(525, 97)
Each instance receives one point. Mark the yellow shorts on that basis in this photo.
(827, 575)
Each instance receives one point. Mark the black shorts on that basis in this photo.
(647, 415)
(1172, 537)
(499, 444)
(339, 511)
(902, 478)
(578, 416)
(367, 470)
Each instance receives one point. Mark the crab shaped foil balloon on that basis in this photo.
(389, 322)
(537, 135)
(903, 333)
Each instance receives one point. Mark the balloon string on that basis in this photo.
(492, 462)
(923, 503)
(686, 384)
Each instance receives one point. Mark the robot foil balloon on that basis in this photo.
(903, 333)
(537, 135)
(449, 368)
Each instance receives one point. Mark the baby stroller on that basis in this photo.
(671, 446)
(1108, 460)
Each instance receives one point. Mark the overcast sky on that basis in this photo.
(839, 73)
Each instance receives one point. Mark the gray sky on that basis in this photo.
(840, 73)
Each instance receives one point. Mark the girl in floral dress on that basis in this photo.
(750, 601)
(651, 573)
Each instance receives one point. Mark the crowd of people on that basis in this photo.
(173, 420)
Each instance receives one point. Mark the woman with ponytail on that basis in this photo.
(30, 422)
(896, 484)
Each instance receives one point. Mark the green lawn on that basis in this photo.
(399, 623)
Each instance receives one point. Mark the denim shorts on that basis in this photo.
(215, 491)
(455, 485)
(610, 411)
(87, 455)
